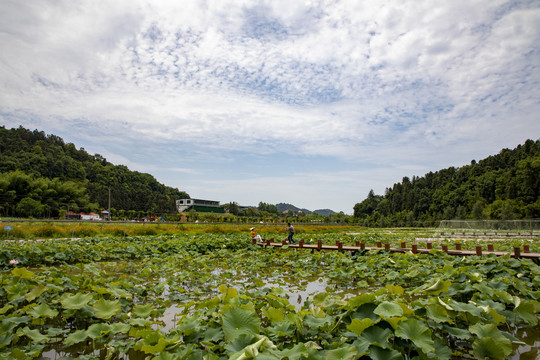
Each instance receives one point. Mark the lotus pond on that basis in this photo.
(210, 296)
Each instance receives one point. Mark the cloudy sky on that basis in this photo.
(308, 102)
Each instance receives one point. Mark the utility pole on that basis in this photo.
(109, 203)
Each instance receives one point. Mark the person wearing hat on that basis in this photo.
(254, 235)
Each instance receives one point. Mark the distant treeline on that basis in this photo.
(41, 175)
(502, 186)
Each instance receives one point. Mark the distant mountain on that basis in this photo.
(324, 212)
(286, 207)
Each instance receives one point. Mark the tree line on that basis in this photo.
(503, 186)
(41, 175)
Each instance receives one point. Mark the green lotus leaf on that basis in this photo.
(327, 300)
(213, 334)
(77, 301)
(143, 311)
(343, 353)
(22, 273)
(17, 319)
(463, 334)
(394, 289)
(34, 334)
(273, 314)
(121, 293)
(96, 331)
(387, 309)
(228, 293)
(250, 351)
(5, 338)
(418, 333)
(91, 269)
(366, 311)
(237, 321)
(498, 318)
(362, 346)
(240, 343)
(378, 336)
(35, 292)
(358, 326)
(376, 353)
(468, 308)
(438, 314)
(442, 352)
(42, 310)
(297, 352)
(120, 328)
(6, 308)
(527, 312)
(76, 337)
(16, 292)
(153, 343)
(139, 322)
(105, 309)
(281, 329)
(437, 287)
(488, 348)
(491, 342)
(316, 323)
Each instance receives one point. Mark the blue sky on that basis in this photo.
(313, 103)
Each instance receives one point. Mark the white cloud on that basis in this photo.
(361, 82)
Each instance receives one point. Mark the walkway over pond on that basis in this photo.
(479, 251)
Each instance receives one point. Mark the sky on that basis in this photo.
(312, 103)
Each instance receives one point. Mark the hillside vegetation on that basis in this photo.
(41, 175)
(502, 186)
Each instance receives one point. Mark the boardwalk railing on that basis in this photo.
(479, 251)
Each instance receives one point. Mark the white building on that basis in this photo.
(184, 205)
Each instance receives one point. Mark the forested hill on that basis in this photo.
(47, 175)
(502, 186)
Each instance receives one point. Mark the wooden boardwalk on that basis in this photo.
(479, 251)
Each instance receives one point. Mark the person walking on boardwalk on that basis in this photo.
(290, 229)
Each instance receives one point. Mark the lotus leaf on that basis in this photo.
(75, 337)
(77, 301)
(360, 300)
(387, 309)
(42, 310)
(377, 353)
(237, 321)
(394, 289)
(417, 332)
(437, 287)
(6, 308)
(358, 326)
(273, 314)
(213, 334)
(143, 310)
(154, 343)
(250, 351)
(105, 309)
(22, 273)
(378, 336)
(527, 311)
(438, 314)
(119, 328)
(342, 353)
(35, 292)
(96, 331)
(34, 334)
